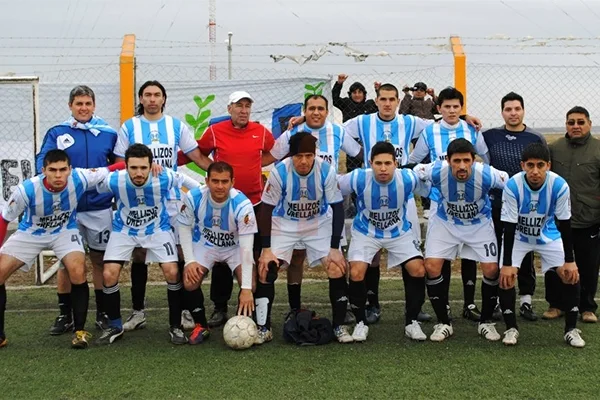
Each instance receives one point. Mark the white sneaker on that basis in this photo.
(488, 331)
(137, 320)
(361, 331)
(342, 334)
(187, 322)
(510, 337)
(413, 331)
(573, 338)
(441, 332)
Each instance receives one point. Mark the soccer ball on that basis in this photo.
(240, 332)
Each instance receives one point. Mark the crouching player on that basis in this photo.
(532, 200)
(49, 202)
(296, 202)
(381, 223)
(216, 224)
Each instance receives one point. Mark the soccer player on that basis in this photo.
(434, 142)
(531, 202)
(331, 138)
(141, 220)
(164, 135)
(381, 223)
(461, 223)
(49, 202)
(296, 208)
(224, 224)
(506, 144)
(243, 144)
(88, 141)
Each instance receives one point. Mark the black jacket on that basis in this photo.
(348, 107)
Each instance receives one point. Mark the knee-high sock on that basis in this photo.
(2, 308)
(338, 295)
(438, 295)
(64, 304)
(295, 296)
(112, 305)
(221, 286)
(80, 295)
(447, 275)
(414, 292)
(357, 291)
(263, 300)
(174, 294)
(98, 295)
(570, 300)
(489, 298)
(372, 277)
(468, 271)
(507, 303)
(139, 278)
(195, 302)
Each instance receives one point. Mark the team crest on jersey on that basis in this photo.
(141, 199)
(384, 201)
(461, 195)
(154, 136)
(247, 219)
(56, 206)
(304, 193)
(215, 221)
(417, 244)
(533, 206)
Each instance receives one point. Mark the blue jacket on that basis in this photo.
(85, 150)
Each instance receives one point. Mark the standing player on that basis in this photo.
(532, 201)
(331, 138)
(142, 220)
(506, 144)
(296, 208)
(49, 202)
(462, 223)
(223, 224)
(434, 143)
(382, 193)
(164, 135)
(89, 143)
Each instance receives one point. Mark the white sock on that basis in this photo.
(526, 299)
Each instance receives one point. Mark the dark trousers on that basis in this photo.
(586, 244)
(526, 274)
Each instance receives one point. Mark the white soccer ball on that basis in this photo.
(240, 332)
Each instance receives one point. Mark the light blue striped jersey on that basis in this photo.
(435, 140)
(217, 224)
(534, 210)
(46, 212)
(164, 137)
(381, 207)
(301, 198)
(462, 203)
(331, 138)
(370, 129)
(141, 210)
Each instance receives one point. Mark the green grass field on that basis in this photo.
(145, 365)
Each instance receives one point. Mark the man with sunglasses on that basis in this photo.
(576, 157)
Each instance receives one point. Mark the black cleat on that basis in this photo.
(110, 335)
(217, 319)
(472, 313)
(62, 324)
(373, 315)
(526, 311)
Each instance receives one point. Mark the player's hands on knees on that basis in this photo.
(508, 277)
(568, 273)
(156, 169)
(192, 274)
(334, 259)
(266, 257)
(246, 303)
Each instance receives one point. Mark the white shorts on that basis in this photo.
(95, 227)
(173, 207)
(552, 254)
(473, 242)
(316, 240)
(413, 217)
(26, 247)
(208, 256)
(363, 248)
(160, 247)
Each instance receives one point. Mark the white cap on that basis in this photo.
(237, 96)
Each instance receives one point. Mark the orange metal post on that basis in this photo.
(460, 68)
(127, 77)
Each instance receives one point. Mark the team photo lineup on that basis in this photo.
(491, 198)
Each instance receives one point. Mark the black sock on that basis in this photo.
(447, 275)
(221, 286)
(263, 300)
(489, 298)
(195, 300)
(372, 281)
(357, 291)
(414, 294)
(64, 304)
(99, 302)
(439, 298)
(80, 295)
(174, 298)
(2, 309)
(468, 271)
(185, 299)
(570, 299)
(338, 295)
(507, 303)
(294, 296)
(112, 302)
(139, 277)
